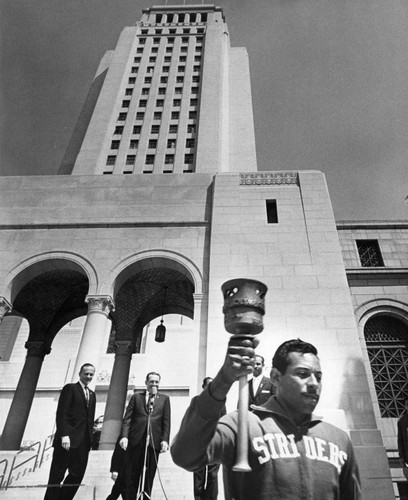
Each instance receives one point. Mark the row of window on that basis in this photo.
(155, 129)
(167, 59)
(152, 143)
(165, 69)
(159, 103)
(165, 79)
(150, 159)
(169, 50)
(170, 40)
(181, 17)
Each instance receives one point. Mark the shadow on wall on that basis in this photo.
(355, 397)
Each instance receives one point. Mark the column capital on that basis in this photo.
(123, 347)
(5, 307)
(37, 348)
(100, 303)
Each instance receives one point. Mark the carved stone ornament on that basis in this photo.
(100, 303)
(123, 347)
(268, 179)
(5, 307)
(37, 348)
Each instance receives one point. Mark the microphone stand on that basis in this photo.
(142, 493)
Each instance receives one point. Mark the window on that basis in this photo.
(157, 115)
(184, 39)
(149, 159)
(152, 144)
(145, 91)
(271, 212)
(196, 68)
(173, 129)
(369, 252)
(149, 69)
(142, 41)
(178, 90)
(193, 18)
(387, 347)
(128, 91)
(179, 79)
(193, 102)
(203, 17)
(127, 172)
(175, 115)
(186, 30)
(145, 32)
(181, 18)
(170, 39)
(163, 79)
(142, 103)
(188, 159)
(191, 128)
(162, 90)
(148, 79)
(181, 69)
(139, 50)
(197, 58)
(167, 59)
(152, 59)
(107, 173)
(133, 70)
(166, 69)
(156, 40)
(172, 31)
(199, 48)
(122, 117)
(137, 59)
(155, 129)
(190, 143)
(169, 160)
(118, 130)
(169, 50)
(134, 143)
(158, 31)
(130, 159)
(194, 90)
(171, 143)
(200, 38)
(132, 80)
(196, 79)
(182, 58)
(137, 129)
(192, 115)
(155, 50)
(115, 144)
(111, 160)
(140, 115)
(159, 103)
(183, 49)
(176, 102)
(125, 104)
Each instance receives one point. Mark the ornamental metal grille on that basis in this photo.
(369, 252)
(387, 344)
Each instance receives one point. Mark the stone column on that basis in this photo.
(91, 346)
(5, 307)
(116, 400)
(23, 397)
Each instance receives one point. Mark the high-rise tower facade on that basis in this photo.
(173, 97)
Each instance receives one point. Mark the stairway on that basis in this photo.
(176, 483)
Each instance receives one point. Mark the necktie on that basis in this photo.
(87, 396)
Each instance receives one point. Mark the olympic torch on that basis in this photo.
(244, 306)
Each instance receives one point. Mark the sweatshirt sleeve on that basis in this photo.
(201, 440)
(350, 486)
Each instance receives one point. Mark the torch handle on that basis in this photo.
(241, 464)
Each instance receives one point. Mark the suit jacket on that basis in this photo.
(403, 437)
(264, 392)
(135, 420)
(74, 417)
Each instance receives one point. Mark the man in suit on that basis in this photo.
(73, 436)
(403, 439)
(260, 387)
(146, 422)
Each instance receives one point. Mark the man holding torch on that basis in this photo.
(292, 453)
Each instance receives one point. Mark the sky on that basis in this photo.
(329, 85)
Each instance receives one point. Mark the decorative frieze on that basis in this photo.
(268, 179)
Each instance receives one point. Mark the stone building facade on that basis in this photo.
(157, 204)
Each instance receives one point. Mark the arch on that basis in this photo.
(29, 268)
(147, 259)
(365, 312)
